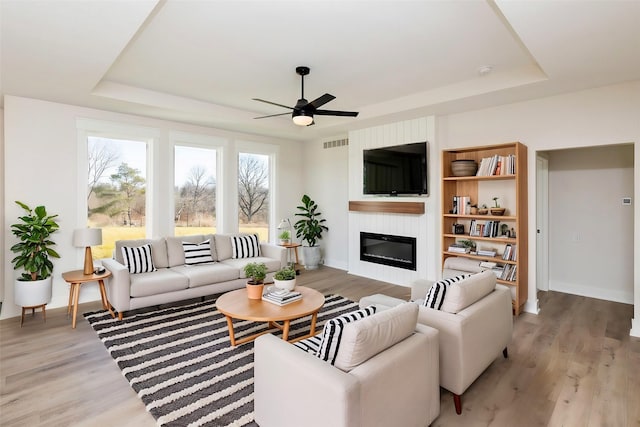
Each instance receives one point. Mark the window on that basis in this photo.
(194, 190)
(116, 189)
(253, 194)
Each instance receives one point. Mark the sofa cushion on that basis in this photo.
(238, 264)
(197, 253)
(175, 250)
(245, 246)
(161, 281)
(332, 332)
(207, 274)
(158, 250)
(438, 291)
(462, 294)
(367, 337)
(138, 259)
(223, 245)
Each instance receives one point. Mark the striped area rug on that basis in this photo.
(182, 366)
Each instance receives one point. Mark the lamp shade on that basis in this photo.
(83, 237)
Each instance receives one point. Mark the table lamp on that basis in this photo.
(85, 238)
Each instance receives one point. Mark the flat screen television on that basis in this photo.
(399, 169)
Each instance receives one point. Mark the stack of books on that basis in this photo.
(281, 296)
(458, 248)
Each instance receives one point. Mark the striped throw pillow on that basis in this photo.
(138, 259)
(245, 246)
(197, 253)
(332, 332)
(435, 295)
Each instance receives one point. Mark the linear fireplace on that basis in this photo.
(395, 251)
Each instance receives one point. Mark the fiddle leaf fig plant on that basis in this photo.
(311, 226)
(35, 247)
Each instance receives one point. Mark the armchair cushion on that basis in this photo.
(367, 337)
(462, 294)
(332, 332)
(438, 291)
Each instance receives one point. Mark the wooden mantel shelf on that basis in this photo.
(415, 208)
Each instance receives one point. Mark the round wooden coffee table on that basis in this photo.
(236, 305)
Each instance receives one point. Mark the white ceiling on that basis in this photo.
(202, 62)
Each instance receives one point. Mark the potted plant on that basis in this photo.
(284, 237)
(483, 210)
(497, 210)
(310, 229)
(34, 252)
(285, 278)
(256, 273)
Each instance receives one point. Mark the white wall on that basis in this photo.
(2, 235)
(41, 158)
(591, 231)
(326, 181)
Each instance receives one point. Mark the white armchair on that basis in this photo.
(397, 386)
(471, 338)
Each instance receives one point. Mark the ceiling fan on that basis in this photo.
(304, 110)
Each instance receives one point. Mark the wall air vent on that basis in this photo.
(336, 143)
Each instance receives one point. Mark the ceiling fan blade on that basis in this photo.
(272, 103)
(273, 115)
(336, 113)
(319, 102)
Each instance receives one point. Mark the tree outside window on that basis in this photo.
(253, 194)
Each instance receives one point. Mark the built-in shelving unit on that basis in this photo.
(515, 218)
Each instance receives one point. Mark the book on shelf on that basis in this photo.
(458, 248)
(497, 165)
(461, 205)
(487, 252)
(281, 297)
(509, 253)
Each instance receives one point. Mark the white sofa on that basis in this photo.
(175, 281)
(384, 377)
(471, 338)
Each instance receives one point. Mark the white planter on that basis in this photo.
(33, 293)
(312, 256)
(288, 285)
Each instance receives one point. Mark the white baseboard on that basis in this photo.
(591, 292)
(635, 328)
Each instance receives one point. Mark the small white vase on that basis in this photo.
(32, 293)
(288, 285)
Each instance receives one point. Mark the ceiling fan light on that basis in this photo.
(301, 119)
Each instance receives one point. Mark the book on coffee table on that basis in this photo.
(281, 297)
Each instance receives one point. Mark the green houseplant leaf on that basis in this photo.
(311, 226)
(34, 249)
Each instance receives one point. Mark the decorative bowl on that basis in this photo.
(464, 167)
(483, 211)
(497, 211)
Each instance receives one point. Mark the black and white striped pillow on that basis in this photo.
(245, 246)
(310, 345)
(435, 295)
(138, 259)
(197, 253)
(332, 332)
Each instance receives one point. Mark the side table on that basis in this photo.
(295, 247)
(76, 278)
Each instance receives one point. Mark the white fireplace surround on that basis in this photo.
(419, 226)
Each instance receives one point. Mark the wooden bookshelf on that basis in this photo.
(515, 219)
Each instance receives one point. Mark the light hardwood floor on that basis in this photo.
(574, 364)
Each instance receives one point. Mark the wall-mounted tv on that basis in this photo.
(399, 169)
